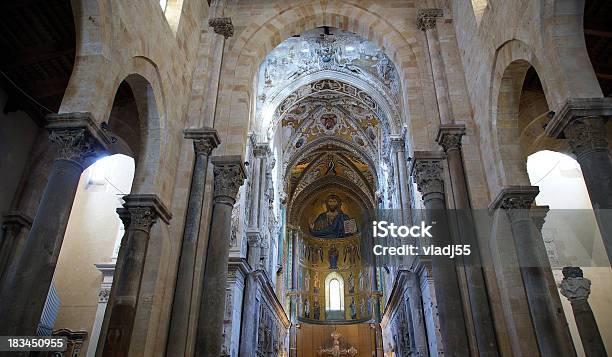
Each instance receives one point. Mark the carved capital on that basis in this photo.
(428, 176)
(205, 140)
(78, 137)
(426, 18)
(574, 286)
(449, 136)
(586, 135)
(229, 175)
(516, 200)
(141, 211)
(397, 144)
(262, 150)
(222, 26)
(104, 295)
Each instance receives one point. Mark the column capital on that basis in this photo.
(397, 143)
(229, 175)
(261, 150)
(582, 122)
(78, 137)
(427, 172)
(574, 286)
(426, 18)
(515, 197)
(16, 220)
(205, 140)
(222, 26)
(449, 136)
(141, 211)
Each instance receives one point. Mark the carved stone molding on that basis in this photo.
(574, 286)
(426, 18)
(141, 211)
(427, 172)
(16, 220)
(104, 295)
(229, 175)
(586, 134)
(205, 140)
(449, 136)
(222, 26)
(78, 137)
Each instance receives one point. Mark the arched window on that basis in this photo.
(334, 292)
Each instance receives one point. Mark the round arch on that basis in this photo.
(256, 41)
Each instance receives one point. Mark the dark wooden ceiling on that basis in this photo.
(598, 38)
(37, 47)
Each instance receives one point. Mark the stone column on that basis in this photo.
(415, 302)
(204, 141)
(427, 172)
(426, 22)
(582, 122)
(576, 288)
(248, 329)
(229, 175)
(13, 238)
(517, 202)
(27, 283)
(399, 152)
(449, 137)
(139, 213)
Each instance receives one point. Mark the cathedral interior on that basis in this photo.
(200, 178)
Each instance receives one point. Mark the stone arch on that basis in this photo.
(174, 9)
(513, 60)
(251, 47)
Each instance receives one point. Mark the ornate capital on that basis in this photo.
(449, 136)
(426, 18)
(574, 286)
(222, 26)
(262, 150)
(428, 176)
(586, 134)
(516, 200)
(397, 143)
(204, 140)
(104, 295)
(78, 137)
(141, 211)
(229, 175)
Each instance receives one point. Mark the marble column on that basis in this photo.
(14, 226)
(426, 22)
(576, 288)
(427, 171)
(229, 175)
(517, 202)
(26, 284)
(583, 123)
(399, 152)
(139, 213)
(248, 329)
(204, 141)
(449, 137)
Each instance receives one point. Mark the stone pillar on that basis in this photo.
(139, 213)
(427, 172)
(576, 288)
(13, 238)
(27, 283)
(229, 175)
(517, 202)
(449, 137)
(204, 141)
(250, 310)
(419, 331)
(399, 153)
(582, 122)
(426, 22)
